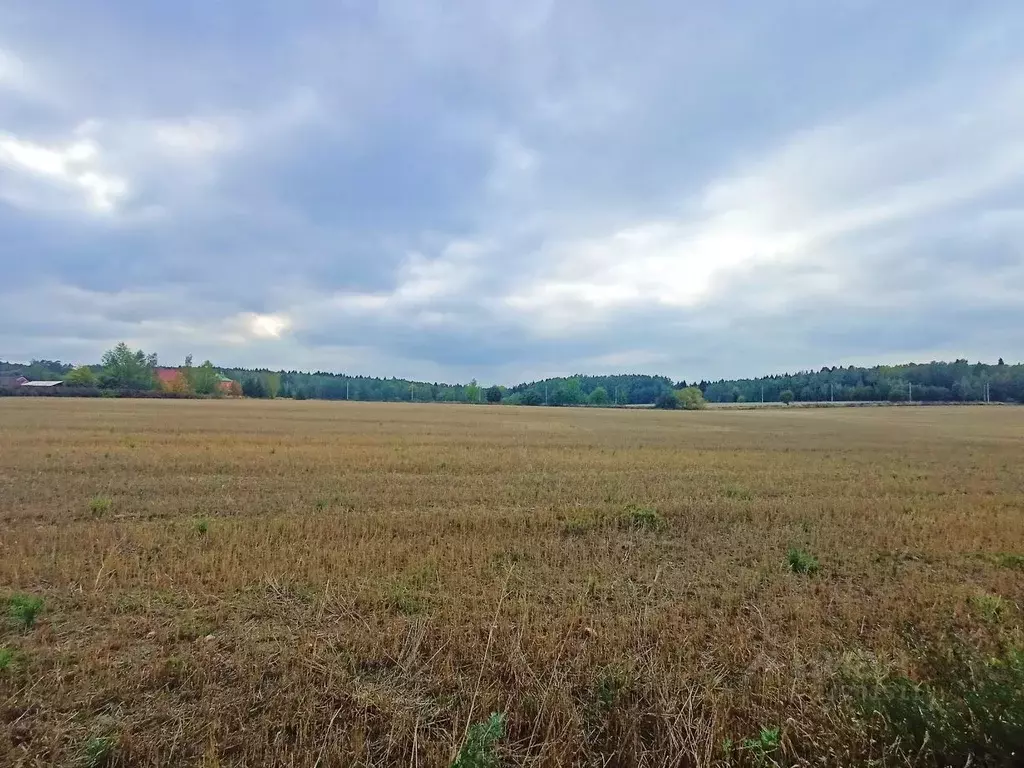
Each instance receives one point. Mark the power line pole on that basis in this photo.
(910, 392)
(762, 394)
(412, 393)
(346, 389)
(545, 394)
(831, 392)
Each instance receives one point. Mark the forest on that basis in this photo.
(958, 381)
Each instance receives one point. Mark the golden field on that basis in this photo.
(269, 583)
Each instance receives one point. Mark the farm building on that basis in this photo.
(167, 378)
(10, 381)
(42, 384)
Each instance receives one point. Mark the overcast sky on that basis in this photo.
(507, 190)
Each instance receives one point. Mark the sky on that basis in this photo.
(506, 191)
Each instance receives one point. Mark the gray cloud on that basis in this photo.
(449, 191)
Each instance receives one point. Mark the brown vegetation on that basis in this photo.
(278, 583)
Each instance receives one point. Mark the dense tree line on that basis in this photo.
(959, 381)
(623, 389)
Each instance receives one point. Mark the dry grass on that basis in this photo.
(277, 583)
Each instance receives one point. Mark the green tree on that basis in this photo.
(691, 398)
(124, 368)
(786, 396)
(82, 376)
(204, 379)
(472, 391)
(273, 384)
(254, 387)
(598, 397)
(667, 400)
(494, 394)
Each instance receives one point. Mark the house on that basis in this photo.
(224, 384)
(11, 380)
(42, 384)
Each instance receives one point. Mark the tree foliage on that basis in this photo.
(958, 381)
(125, 368)
(691, 398)
(82, 376)
(494, 394)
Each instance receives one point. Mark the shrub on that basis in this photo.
(667, 400)
(642, 519)
(24, 609)
(479, 751)
(786, 396)
(970, 711)
(691, 398)
(801, 561)
(99, 506)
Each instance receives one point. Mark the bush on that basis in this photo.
(691, 398)
(494, 394)
(24, 609)
(801, 561)
(970, 711)
(786, 396)
(667, 400)
(481, 740)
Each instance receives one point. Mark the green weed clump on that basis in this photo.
(970, 711)
(637, 518)
(99, 506)
(98, 751)
(480, 749)
(6, 658)
(803, 562)
(24, 609)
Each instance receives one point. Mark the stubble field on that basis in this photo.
(278, 583)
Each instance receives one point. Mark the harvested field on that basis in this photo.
(308, 583)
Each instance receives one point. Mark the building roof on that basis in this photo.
(167, 375)
(41, 383)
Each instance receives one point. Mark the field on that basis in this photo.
(270, 583)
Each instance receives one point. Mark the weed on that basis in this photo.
(24, 609)
(638, 518)
(763, 746)
(99, 506)
(610, 684)
(6, 658)
(1011, 561)
(202, 526)
(320, 505)
(969, 711)
(98, 751)
(802, 561)
(402, 600)
(479, 751)
(991, 607)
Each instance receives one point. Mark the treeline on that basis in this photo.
(623, 389)
(320, 385)
(959, 381)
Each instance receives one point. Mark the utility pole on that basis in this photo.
(762, 394)
(910, 392)
(545, 394)
(831, 392)
(412, 393)
(346, 389)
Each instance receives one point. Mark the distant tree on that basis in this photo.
(531, 397)
(180, 384)
(124, 368)
(253, 386)
(598, 397)
(186, 371)
(472, 391)
(667, 400)
(786, 396)
(82, 376)
(494, 394)
(691, 398)
(204, 379)
(1000, 362)
(273, 384)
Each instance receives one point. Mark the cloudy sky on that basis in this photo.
(504, 190)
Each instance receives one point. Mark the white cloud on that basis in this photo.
(195, 137)
(75, 168)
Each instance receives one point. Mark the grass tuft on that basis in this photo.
(24, 609)
(803, 562)
(638, 518)
(98, 752)
(99, 506)
(480, 749)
